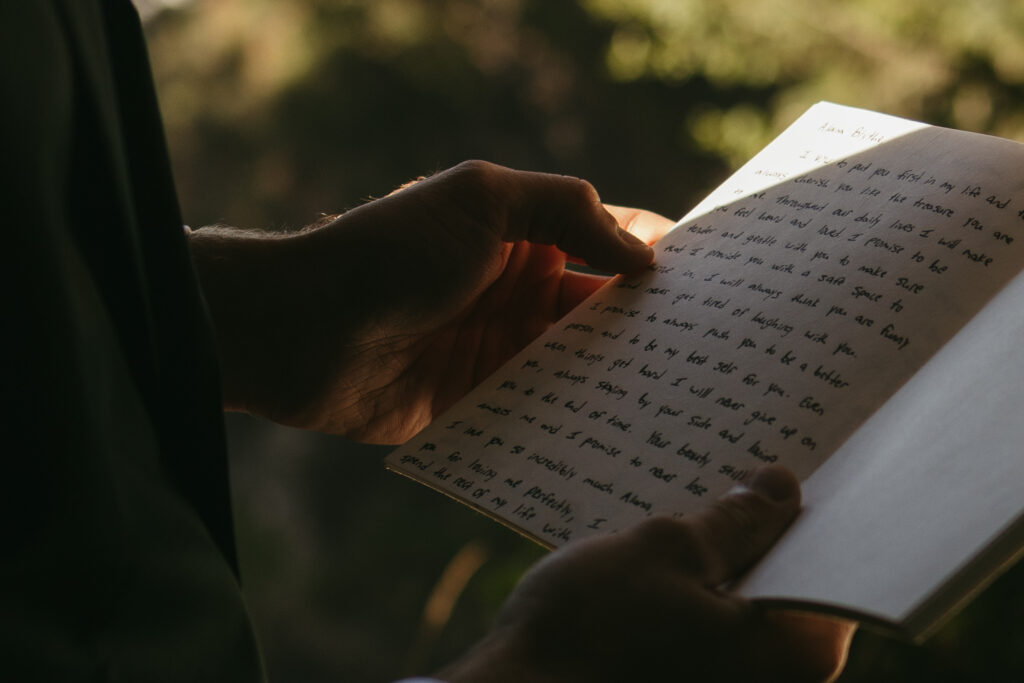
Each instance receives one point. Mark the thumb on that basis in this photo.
(567, 212)
(741, 525)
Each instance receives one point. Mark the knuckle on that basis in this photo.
(698, 559)
(584, 192)
(474, 167)
(474, 174)
(660, 529)
(738, 517)
(475, 188)
(679, 540)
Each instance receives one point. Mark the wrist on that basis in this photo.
(258, 304)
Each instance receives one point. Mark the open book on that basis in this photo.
(849, 304)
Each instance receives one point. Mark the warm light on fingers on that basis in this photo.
(647, 225)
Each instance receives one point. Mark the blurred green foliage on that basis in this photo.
(278, 110)
(948, 62)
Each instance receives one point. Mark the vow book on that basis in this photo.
(849, 304)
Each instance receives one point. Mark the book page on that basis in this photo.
(778, 316)
(921, 496)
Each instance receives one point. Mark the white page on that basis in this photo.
(778, 316)
(932, 478)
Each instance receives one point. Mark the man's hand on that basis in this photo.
(645, 605)
(375, 323)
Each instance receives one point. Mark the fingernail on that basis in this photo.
(774, 483)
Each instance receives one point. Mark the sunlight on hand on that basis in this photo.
(647, 225)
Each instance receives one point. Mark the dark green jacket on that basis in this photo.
(118, 558)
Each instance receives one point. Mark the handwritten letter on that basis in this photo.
(779, 314)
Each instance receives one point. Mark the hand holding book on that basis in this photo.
(644, 605)
(373, 322)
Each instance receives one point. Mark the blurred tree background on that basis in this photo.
(278, 110)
